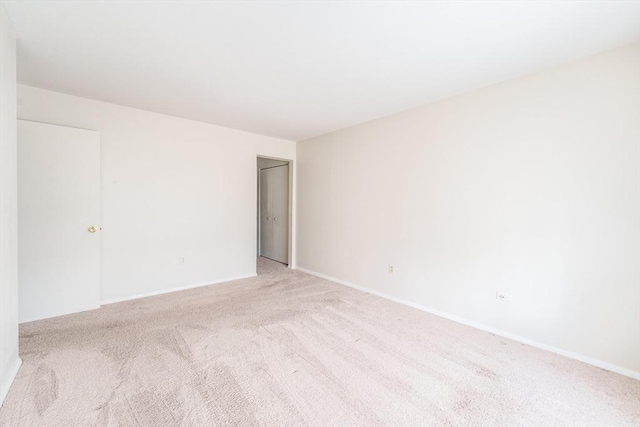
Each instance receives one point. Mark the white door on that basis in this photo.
(274, 213)
(58, 220)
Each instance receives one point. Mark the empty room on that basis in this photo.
(319, 213)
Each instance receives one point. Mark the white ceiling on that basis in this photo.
(299, 69)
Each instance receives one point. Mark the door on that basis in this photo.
(274, 213)
(58, 220)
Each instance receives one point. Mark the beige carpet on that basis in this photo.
(287, 348)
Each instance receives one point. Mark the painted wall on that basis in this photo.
(171, 189)
(9, 360)
(530, 188)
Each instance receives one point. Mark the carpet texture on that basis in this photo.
(286, 348)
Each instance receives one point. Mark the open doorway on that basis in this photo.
(274, 209)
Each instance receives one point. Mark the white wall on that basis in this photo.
(171, 188)
(529, 187)
(9, 361)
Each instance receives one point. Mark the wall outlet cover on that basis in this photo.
(501, 296)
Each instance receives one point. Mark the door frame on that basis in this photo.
(291, 225)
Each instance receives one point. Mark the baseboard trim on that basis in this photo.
(586, 359)
(168, 291)
(4, 390)
(51, 316)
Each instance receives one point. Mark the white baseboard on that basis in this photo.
(11, 375)
(41, 316)
(586, 359)
(168, 291)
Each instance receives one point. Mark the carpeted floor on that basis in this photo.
(286, 348)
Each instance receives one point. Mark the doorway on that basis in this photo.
(58, 220)
(274, 209)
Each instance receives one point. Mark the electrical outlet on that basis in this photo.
(392, 269)
(501, 296)
(182, 260)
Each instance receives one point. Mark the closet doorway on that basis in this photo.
(274, 209)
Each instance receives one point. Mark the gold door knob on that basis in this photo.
(92, 229)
